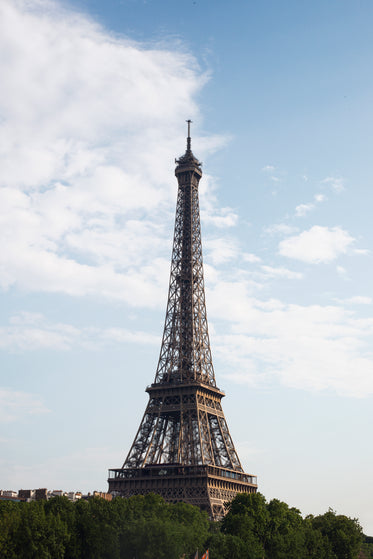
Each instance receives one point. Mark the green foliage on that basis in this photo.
(248, 519)
(276, 531)
(285, 534)
(367, 550)
(40, 535)
(151, 524)
(316, 545)
(10, 517)
(145, 527)
(344, 534)
(367, 547)
(227, 546)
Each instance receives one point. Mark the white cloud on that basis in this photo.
(87, 135)
(221, 218)
(360, 300)
(304, 209)
(306, 347)
(221, 251)
(336, 183)
(251, 258)
(210, 144)
(280, 272)
(121, 335)
(317, 245)
(89, 125)
(16, 406)
(280, 228)
(33, 331)
(211, 214)
(269, 170)
(76, 470)
(341, 271)
(357, 300)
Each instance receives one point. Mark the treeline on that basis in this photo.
(145, 527)
(367, 548)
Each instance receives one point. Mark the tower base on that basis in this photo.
(207, 487)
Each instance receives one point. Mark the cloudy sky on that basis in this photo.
(93, 101)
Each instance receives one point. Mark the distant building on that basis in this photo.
(41, 494)
(26, 494)
(10, 494)
(106, 496)
(57, 493)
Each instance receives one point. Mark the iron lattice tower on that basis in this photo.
(183, 449)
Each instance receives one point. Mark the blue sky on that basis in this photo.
(93, 105)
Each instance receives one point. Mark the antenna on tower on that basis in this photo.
(188, 138)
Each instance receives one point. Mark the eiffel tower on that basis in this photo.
(183, 449)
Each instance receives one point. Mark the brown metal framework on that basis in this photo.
(183, 449)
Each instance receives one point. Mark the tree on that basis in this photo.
(248, 519)
(145, 526)
(97, 529)
(226, 546)
(64, 509)
(150, 526)
(317, 545)
(10, 518)
(285, 533)
(344, 534)
(40, 536)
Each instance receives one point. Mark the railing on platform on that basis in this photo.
(176, 470)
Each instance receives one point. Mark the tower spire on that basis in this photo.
(189, 140)
(183, 449)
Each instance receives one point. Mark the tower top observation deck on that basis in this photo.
(188, 161)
